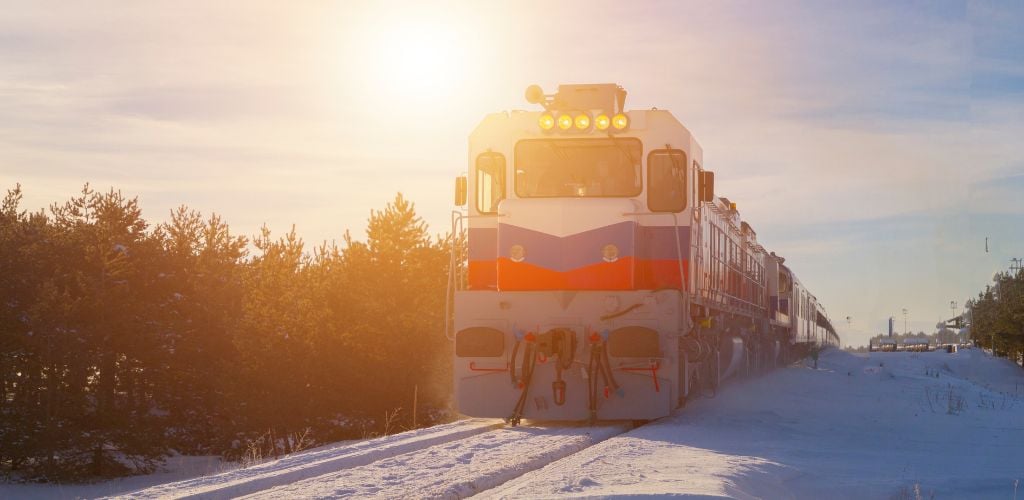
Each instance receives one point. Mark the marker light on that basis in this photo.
(564, 121)
(517, 253)
(610, 253)
(620, 121)
(602, 122)
(546, 121)
(582, 121)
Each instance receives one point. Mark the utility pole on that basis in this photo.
(952, 305)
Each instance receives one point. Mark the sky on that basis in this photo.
(875, 145)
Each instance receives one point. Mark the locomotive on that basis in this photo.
(600, 277)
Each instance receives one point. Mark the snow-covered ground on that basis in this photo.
(455, 470)
(176, 469)
(867, 426)
(884, 425)
(316, 463)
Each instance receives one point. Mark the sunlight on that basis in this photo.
(418, 58)
(411, 56)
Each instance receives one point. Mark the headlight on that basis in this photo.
(565, 121)
(582, 121)
(546, 121)
(620, 121)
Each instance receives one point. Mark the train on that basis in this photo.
(596, 275)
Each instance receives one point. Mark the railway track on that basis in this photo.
(454, 460)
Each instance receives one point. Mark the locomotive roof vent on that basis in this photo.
(606, 96)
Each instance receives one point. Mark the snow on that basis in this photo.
(176, 468)
(878, 425)
(316, 462)
(452, 470)
(868, 426)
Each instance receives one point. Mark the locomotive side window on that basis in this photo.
(591, 168)
(666, 180)
(490, 182)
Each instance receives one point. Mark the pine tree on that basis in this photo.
(201, 282)
(105, 256)
(405, 287)
(273, 336)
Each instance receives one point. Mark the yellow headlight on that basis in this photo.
(546, 121)
(582, 121)
(564, 121)
(602, 122)
(620, 121)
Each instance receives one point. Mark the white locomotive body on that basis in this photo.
(603, 279)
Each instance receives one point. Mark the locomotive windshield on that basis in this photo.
(548, 168)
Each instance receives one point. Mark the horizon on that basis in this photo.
(314, 115)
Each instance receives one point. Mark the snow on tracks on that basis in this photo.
(316, 462)
(446, 461)
(452, 470)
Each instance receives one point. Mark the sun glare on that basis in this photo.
(409, 67)
(415, 57)
(412, 56)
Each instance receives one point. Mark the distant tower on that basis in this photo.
(891, 321)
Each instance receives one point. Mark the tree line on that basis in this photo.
(997, 316)
(123, 341)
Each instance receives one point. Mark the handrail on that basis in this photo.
(449, 296)
(679, 253)
(456, 280)
(653, 365)
(473, 367)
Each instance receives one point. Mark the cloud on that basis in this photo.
(853, 136)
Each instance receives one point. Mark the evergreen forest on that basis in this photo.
(996, 316)
(122, 341)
